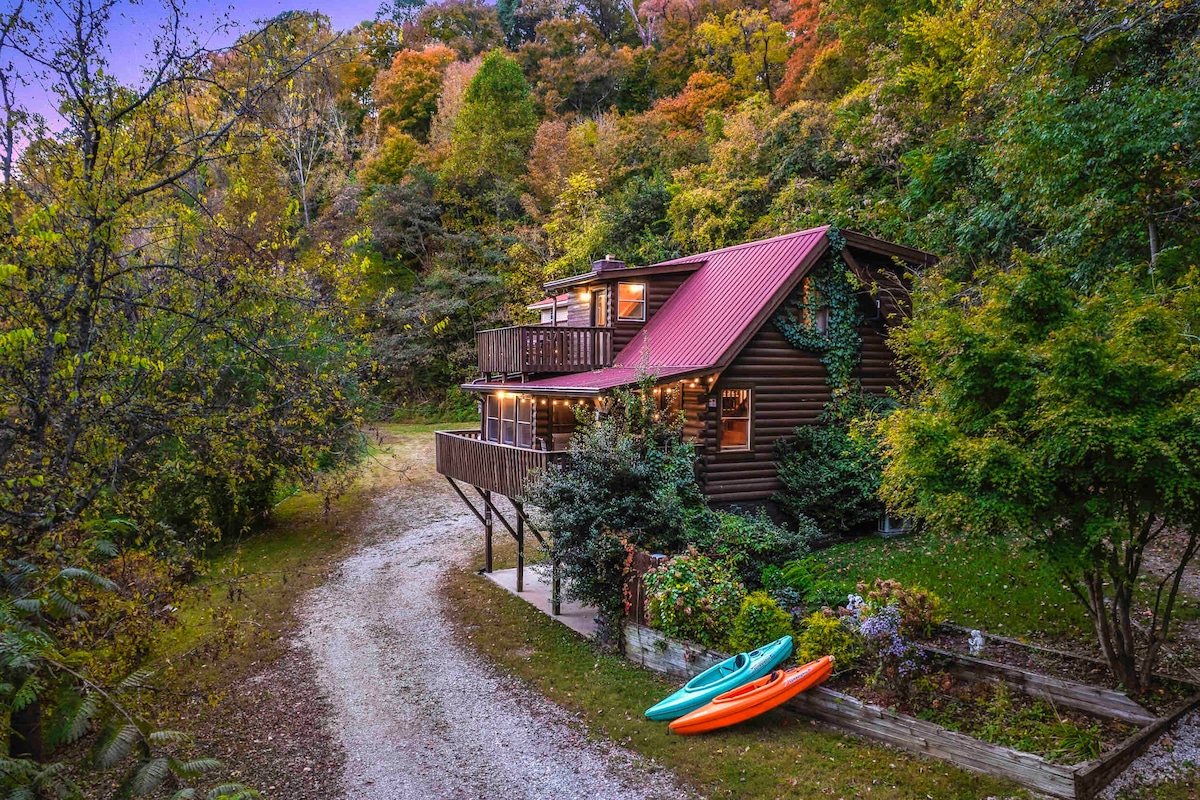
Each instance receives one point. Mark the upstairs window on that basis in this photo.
(734, 422)
(631, 302)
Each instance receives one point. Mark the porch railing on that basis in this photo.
(493, 467)
(543, 348)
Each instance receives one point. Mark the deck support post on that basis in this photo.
(520, 552)
(555, 589)
(487, 532)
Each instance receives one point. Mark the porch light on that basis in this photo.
(585, 296)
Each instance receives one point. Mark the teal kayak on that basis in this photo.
(729, 674)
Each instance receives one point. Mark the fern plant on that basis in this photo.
(43, 680)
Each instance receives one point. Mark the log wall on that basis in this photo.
(790, 389)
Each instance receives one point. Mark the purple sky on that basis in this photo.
(133, 28)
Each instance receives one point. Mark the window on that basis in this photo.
(600, 307)
(524, 422)
(734, 433)
(509, 420)
(491, 430)
(816, 311)
(631, 302)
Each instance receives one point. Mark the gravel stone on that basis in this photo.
(1174, 756)
(418, 715)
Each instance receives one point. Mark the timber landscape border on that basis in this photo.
(1080, 781)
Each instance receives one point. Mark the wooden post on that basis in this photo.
(487, 532)
(520, 552)
(555, 590)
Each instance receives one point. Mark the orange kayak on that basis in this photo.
(755, 697)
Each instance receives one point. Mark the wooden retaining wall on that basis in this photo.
(1072, 781)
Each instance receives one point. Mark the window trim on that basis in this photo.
(736, 387)
(642, 303)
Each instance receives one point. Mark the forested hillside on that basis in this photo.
(480, 150)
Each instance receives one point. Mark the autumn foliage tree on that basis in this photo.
(153, 323)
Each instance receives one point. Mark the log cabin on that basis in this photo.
(706, 328)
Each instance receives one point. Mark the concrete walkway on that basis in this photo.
(577, 617)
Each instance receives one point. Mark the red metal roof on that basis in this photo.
(707, 320)
(579, 383)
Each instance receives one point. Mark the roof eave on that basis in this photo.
(909, 255)
(627, 272)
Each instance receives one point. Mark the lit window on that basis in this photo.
(631, 302)
(509, 420)
(491, 430)
(735, 419)
(525, 422)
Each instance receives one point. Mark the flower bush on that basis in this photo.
(694, 596)
(896, 659)
(920, 610)
(628, 483)
(760, 620)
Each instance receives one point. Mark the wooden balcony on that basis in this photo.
(528, 349)
(493, 467)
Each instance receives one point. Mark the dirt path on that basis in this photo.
(417, 714)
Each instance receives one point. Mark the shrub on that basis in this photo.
(759, 621)
(822, 635)
(628, 481)
(920, 610)
(695, 597)
(831, 471)
(753, 541)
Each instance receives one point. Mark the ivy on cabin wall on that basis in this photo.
(839, 345)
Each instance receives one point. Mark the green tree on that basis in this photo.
(494, 130)
(1070, 418)
(747, 47)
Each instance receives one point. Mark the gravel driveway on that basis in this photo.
(420, 716)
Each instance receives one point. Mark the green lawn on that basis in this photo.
(989, 583)
(775, 756)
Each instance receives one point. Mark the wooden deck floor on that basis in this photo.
(577, 617)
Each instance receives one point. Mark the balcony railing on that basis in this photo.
(493, 467)
(543, 348)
